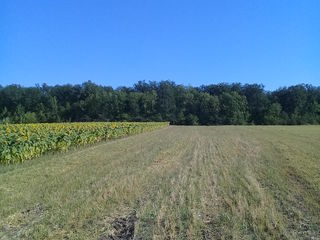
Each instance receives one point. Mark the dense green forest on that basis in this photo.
(161, 101)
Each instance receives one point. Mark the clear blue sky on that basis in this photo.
(118, 42)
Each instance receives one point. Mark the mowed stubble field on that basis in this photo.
(224, 182)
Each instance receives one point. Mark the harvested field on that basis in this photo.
(224, 182)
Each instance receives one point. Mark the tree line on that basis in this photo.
(213, 104)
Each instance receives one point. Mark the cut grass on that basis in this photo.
(221, 182)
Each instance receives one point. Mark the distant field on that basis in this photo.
(224, 182)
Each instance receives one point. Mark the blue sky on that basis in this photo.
(118, 42)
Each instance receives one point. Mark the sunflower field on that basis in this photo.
(20, 142)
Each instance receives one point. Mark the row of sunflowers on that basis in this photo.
(20, 142)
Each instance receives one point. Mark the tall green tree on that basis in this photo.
(233, 109)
